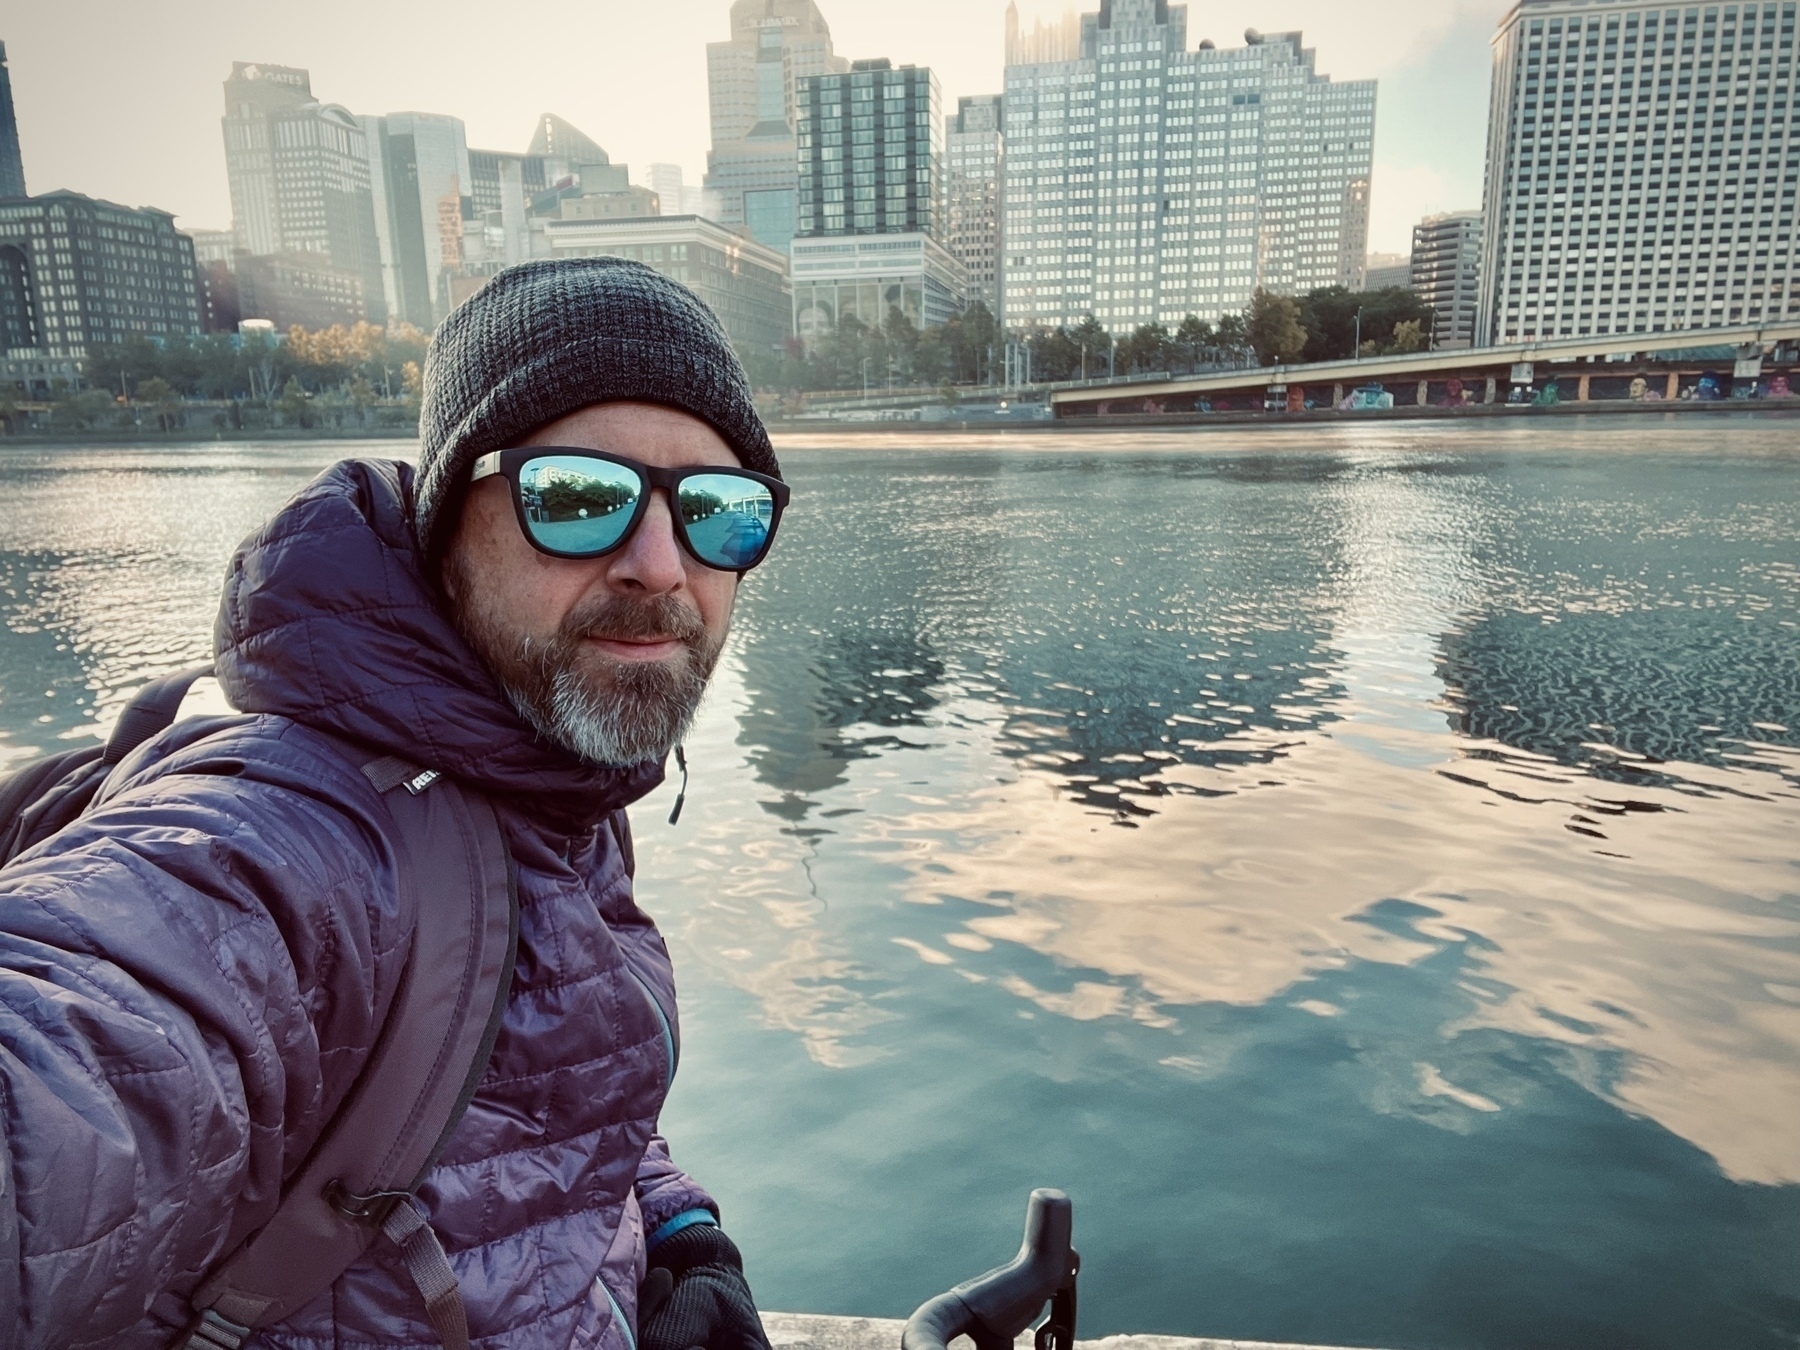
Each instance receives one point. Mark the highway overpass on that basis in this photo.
(1757, 359)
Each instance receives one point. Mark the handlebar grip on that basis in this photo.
(992, 1309)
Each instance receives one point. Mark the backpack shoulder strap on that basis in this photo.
(427, 1059)
(41, 798)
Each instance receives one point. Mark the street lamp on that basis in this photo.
(1356, 347)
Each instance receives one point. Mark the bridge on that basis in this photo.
(1763, 361)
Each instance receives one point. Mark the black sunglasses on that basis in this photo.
(578, 503)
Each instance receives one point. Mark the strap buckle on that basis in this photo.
(370, 1208)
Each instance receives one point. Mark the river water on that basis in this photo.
(1361, 865)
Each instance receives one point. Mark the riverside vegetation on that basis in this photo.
(358, 378)
(366, 378)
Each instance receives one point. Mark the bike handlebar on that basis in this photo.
(992, 1309)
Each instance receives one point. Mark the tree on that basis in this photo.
(1193, 336)
(1094, 343)
(977, 334)
(902, 341)
(160, 396)
(1272, 325)
(1409, 336)
(1147, 349)
(412, 383)
(1055, 355)
(936, 357)
(1329, 317)
(1232, 333)
(362, 398)
(292, 404)
(80, 412)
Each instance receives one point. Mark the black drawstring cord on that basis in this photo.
(680, 797)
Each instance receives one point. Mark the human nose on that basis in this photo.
(651, 559)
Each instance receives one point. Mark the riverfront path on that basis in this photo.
(809, 1331)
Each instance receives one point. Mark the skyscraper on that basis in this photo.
(871, 192)
(972, 147)
(564, 148)
(1445, 272)
(1640, 169)
(419, 165)
(75, 271)
(870, 151)
(751, 78)
(299, 176)
(12, 165)
(1145, 182)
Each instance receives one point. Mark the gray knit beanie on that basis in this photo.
(544, 339)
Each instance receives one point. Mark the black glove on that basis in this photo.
(694, 1294)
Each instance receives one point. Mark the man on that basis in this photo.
(192, 975)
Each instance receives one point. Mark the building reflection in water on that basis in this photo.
(1320, 693)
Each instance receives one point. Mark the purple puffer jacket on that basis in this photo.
(191, 976)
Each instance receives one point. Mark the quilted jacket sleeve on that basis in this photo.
(187, 978)
(664, 1190)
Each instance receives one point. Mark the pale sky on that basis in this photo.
(123, 100)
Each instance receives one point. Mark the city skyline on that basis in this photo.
(1424, 58)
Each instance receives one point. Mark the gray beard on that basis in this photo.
(605, 712)
(643, 712)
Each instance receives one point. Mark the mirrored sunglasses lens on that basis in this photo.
(727, 518)
(575, 505)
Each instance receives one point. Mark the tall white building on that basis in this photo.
(973, 152)
(1146, 182)
(1641, 169)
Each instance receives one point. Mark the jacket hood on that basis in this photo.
(328, 618)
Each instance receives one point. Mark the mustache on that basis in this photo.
(652, 618)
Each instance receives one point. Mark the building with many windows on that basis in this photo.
(1145, 182)
(1445, 272)
(871, 152)
(871, 162)
(1641, 169)
(743, 282)
(512, 196)
(752, 79)
(288, 288)
(497, 176)
(973, 146)
(299, 176)
(1381, 271)
(75, 271)
(867, 277)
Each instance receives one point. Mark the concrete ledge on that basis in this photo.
(812, 1331)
